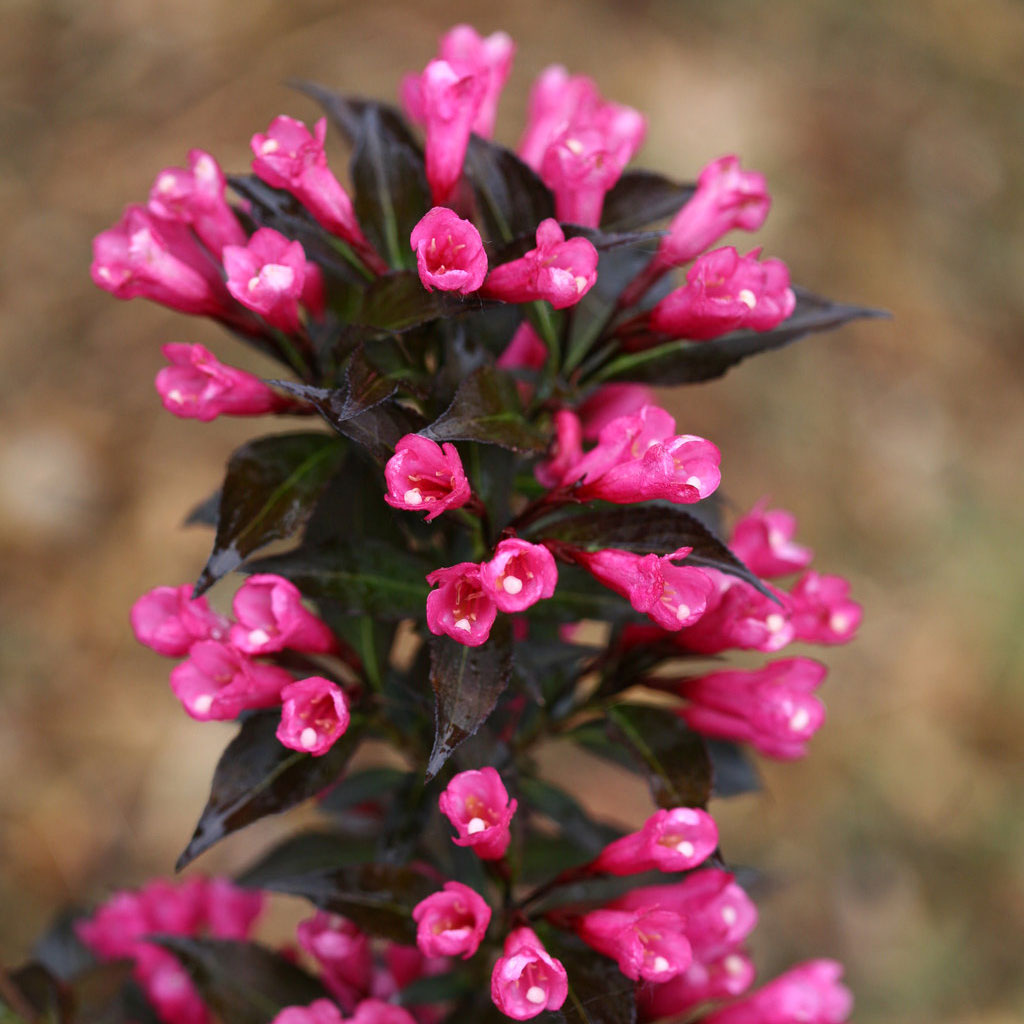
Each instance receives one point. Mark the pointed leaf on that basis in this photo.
(344, 112)
(568, 815)
(205, 513)
(674, 757)
(647, 529)
(467, 683)
(362, 576)
(639, 198)
(269, 492)
(257, 776)
(511, 199)
(398, 302)
(599, 993)
(372, 785)
(486, 409)
(577, 596)
(242, 982)
(305, 853)
(689, 362)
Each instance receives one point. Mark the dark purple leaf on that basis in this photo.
(599, 993)
(398, 302)
(639, 198)
(305, 853)
(269, 492)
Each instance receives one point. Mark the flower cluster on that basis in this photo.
(479, 328)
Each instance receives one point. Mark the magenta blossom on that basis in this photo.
(451, 922)
(218, 682)
(556, 100)
(810, 993)
(169, 621)
(268, 276)
(519, 575)
(525, 350)
(314, 715)
(343, 953)
(724, 292)
(196, 197)
(763, 541)
(460, 607)
(158, 259)
(320, 1011)
(671, 840)
(611, 402)
(647, 943)
(198, 386)
(425, 476)
(449, 252)
(565, 452)
(821, 610)
(526, 980)
(231, 912)
(727, 976)
(477, 804)
(376, 1011)
(560, 271)
(726, 199)
(673, 596)
(271, 617)
(772, 708)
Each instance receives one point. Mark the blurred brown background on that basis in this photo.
(892, 137)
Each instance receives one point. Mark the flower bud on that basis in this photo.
(526, 981)
(647, 943)
(763, 541)
(343, 953)
(671, 840)
(449, 252)
(477, 804)
(611, 402)
(314, 715)
(519, 575)
(271, 617)
(525, 350)
(565, 452)
(169, 621)
(451, 922)
(728, 975)
(460, 607)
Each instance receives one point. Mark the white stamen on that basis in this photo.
(176, 396)
(475, 825)
(412, 496)
(203, 703)
(581, 284)
(270, 146)
(254, 282)
(748, 298)
(105, 273)
(733, 964)
(258, 636)
(683, 612)
(774, 622)
(800, 719)
(308, 737)
(511, 584)
(574, 146)
(165, 183)
(685, 848)
(729, 915)
(839, 622)
(660, 964)
(463, 624)
(694, 481)
(536, 995)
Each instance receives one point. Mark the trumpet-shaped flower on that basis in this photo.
(460, 607)
(268, 276)
(449, 252)
(675, 839)
(169, 621)
(451, 922)
(763, 541)
(648, 943)
(424, 476)
(314, 715)
(526, 980)
(477, 804)
(271, 617)
(519, 575)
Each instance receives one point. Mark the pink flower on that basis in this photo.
(449, 252)
(673, 596)
(197, 386)
(376, 1011)
(821, 610)
(424, 476)
(647, 943)
(268, 276)
(271, 617)
(460, 607)
(231, 912)
(451, 922)
(196, 197)
(158, 259)
(342, 952)
(565, 452)
(173, 994)
(763, 541)
(639, 457)
(292, 158)
(808, 994)
(525, 350)
(167, 620)
(519, 575)
(611, 402)
(314, 715)
(671, 840)
(724, 292)
(718, 914)
(555, 101)
(477, 804)
(726, 199)
(560, 271)
(219, 682)
(771, 708)
(320, 1011)
(728, 975)
(527, 981)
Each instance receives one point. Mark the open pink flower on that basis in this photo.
(526, 980)
(647, 943)
(424, 476)
(560, 271)
(727, 198)
(763, 541)
(556, 99)
(169, 621)
(460, 607)
(810, 993)
(314, 715)
(725, 292)
(611, 402)
(451, 922)
(196, 197)
(198, 386)
(449, 252)
(727, 976)
(821, 610)
(671, 840)
(271, 617)
(772, 708)
(519, 575)
(343, 953)
(477, 804)
(268, 276)
(218, 682)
